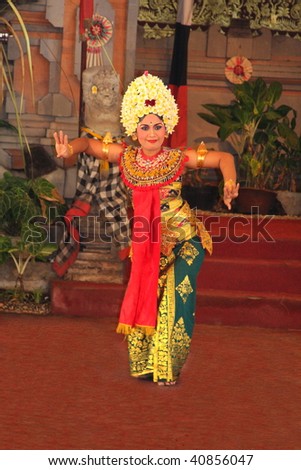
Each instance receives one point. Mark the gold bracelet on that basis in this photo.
(201, 154)
(230, 183)
(70, 149)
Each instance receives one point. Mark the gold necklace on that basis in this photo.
(166, 167)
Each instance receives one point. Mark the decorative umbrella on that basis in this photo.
(98, 33)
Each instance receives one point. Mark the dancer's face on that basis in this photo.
(151, 134)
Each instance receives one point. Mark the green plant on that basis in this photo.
(9, 7)
(27, 209)
(38, 295)
(257, 129)
(6, 125)
(288, 166)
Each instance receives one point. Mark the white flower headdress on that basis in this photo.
(147, 94)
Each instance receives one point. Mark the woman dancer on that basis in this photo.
(168, 241)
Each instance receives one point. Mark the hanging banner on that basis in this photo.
(86, 9)
(178, 72)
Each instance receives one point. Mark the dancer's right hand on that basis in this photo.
(62, 147)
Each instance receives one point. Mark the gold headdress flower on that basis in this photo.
(147, 94)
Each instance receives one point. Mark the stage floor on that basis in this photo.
(65, 385)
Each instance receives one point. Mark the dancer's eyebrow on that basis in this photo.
(151, 124)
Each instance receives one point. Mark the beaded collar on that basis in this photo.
(142, 173)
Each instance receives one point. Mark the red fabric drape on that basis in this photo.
(78, 209)
(139, 307)
(179, 138)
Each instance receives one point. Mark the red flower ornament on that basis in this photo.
(238, 70)
(150, 102)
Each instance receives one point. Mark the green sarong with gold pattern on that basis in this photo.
(162, 355)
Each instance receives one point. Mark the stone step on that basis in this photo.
(94, 276)
(86, 298)
(264, 237)
(275, 249)
(97, 253)
(267, 309)
(98, 264)
(96, 248)
(214, 306)
(97, 268)
(281, 276)
(251, 284)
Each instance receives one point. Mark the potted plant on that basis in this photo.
(255, 126)
(28, 207)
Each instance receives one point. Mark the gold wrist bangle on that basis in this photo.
(230, 183)
(70, 149)
(201, 154)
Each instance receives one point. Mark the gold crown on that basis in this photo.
(147, 94)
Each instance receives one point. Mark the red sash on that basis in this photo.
(139, 307)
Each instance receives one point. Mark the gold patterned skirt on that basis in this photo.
(162, 355)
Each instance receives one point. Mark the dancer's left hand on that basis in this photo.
(230, 192)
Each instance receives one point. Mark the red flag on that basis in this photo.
(178, 72)
(85, 12)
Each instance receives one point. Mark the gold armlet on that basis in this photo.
(105, 144)
(201, 154)
(105, 151)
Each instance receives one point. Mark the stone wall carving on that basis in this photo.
(158, 17)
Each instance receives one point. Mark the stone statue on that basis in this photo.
(102, 100)
(98, 190)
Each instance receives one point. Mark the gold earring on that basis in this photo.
(134, 137)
